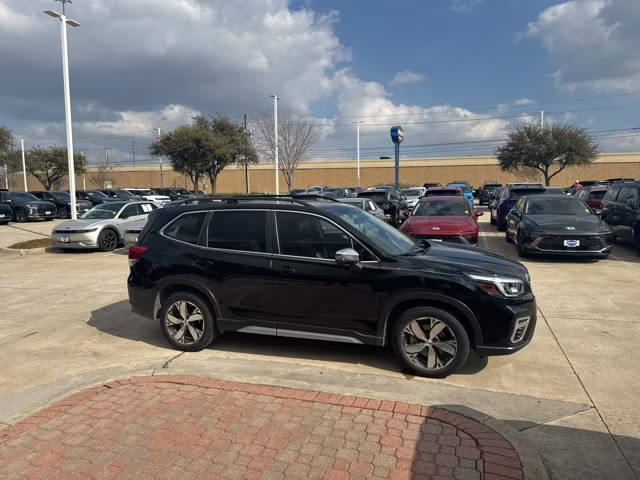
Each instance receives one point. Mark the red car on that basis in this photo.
(443, 218)
(592, 196)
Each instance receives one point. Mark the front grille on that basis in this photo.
(557, 243)
(43, 209)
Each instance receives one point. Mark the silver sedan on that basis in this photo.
(365, 204)
(103, 227)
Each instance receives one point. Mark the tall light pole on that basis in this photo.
(67, 103)
(275, 140)
(358, 148)
(24, 165)
(541, 118)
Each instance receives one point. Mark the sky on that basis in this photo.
(455, 74)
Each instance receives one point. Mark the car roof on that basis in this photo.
(552, 195)
(443, 198)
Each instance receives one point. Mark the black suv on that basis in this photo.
(321, 269)
(96, 197)
(485, 192)
(62, 201)
(389, 201)
(174, 193)
(621, 210)
(26, 206)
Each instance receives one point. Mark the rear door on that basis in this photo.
(629, 214)
(616, 214)
(314, 294)
(235, 264)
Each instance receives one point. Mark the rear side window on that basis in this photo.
(611, 194)
(632, 199)
(597, 195)
(238, 230)
(304, 235)
(186, 228)
(624, 192)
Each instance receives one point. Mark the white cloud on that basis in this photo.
(464, 6)
(407, 76)
(523, 101)
(594, 43)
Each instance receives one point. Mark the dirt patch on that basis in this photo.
(29, 244)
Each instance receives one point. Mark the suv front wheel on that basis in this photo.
(186, 322)
(430, 342)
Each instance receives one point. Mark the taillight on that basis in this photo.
(135, 253)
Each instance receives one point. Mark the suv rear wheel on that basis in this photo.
(186, 322)
(430, 341)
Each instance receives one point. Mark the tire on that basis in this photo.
(180, 336)
(636, 239)
(108, 240)
(522, 253)
(507, 237)
(48, 219)
(396, 219)
(453, 334)
(492, 219)
(501, 226)
(21, 216)
(63, 212)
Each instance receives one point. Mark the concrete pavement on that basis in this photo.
(571, 392)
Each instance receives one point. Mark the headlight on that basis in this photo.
(89, 230)
(500, 286)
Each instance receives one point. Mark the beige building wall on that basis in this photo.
(475, 170)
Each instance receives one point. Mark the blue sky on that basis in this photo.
(449, 71)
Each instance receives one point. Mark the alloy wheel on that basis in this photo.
(109, 240)
(429, 343)
(185, 322)
(21, 216)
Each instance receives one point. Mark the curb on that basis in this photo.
(503, 449)
(21, 252)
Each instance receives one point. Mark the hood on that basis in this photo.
(81, 224)
(473, 260)
(37, 203)
(440, 224)
(557, 224)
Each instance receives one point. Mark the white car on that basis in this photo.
(148, 195)
(412, 195)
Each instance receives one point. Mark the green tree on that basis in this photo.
(6, 140)
(204, 148)
(548, 150)
(49, 165)
(10, 157)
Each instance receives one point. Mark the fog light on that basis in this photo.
(520, 329)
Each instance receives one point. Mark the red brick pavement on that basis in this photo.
(169, 427)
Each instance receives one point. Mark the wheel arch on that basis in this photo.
(179, 283)
(392, 311)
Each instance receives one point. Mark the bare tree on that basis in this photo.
(295, 137)
(102, 175)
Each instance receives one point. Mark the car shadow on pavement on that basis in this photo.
(118, 320)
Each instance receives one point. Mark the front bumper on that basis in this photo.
(553, 245)
(130, 237)
(75, 240)
(42, 216)
(506, 346)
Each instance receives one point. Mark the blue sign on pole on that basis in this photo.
(397, 136)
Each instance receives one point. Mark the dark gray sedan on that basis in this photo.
(365, 204)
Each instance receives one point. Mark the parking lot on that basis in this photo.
(67, 324)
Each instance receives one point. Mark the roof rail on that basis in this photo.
(299, 199)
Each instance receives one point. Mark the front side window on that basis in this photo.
(632, 199)
(186, 228)
(131, 211)
(624, 193)
(22, 197)
(238, 230)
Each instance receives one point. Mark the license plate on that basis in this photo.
(64, 239)
(572, 243)
(48, 212)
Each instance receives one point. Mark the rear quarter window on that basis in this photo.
(186, 228)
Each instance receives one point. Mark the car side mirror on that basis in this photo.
(347, 256)
(479, 213)
(603, 212)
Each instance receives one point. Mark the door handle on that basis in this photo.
(287, 270)
(205, 263)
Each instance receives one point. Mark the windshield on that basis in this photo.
(375, 196)
(464, 188)
(96, 194)
(411, 192)
(61, 196)
(440, 208)
(557, 206)
(23, 197)
(513, 194)
(104, 212)
(444, 193)
(378, 232)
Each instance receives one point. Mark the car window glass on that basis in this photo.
(304, 235)
(238, 230)
(624, 192)
(131, 211)
(186, 228)
(632, 199)
(147, 207)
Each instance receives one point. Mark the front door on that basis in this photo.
(313, 293)
(629, 213)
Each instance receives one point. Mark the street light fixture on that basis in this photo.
(67, 103)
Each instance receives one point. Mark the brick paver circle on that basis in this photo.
(168, 427)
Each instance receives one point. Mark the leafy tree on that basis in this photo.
(204, 148)
(548, 150)
(49, 165)
(6, 140)
(295, 137)
(10, 157)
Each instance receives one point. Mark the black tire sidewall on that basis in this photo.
(63, 212)
(210, 330)
(411, 314)
(101, 245)
(24, 219)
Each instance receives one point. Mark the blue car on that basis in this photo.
(466, 190)
(501, 206)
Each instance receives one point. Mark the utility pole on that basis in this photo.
(275, 140)
(6, 177)
(63, 2)
(246, 160)
(24, 165)
(159, 132)
(107, 150)
(358, 148)
(541, 118)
